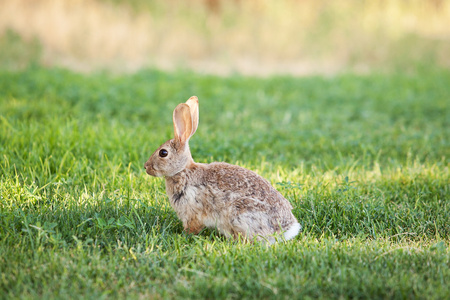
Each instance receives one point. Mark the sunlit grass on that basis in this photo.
(364, 160)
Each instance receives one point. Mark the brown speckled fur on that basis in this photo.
(236, 201)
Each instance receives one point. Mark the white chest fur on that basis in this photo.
(185, 202)
(190, 203)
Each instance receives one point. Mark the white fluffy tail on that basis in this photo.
(292, 232)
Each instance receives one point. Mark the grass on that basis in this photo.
(363, 159)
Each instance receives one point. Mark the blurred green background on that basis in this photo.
(266, 37)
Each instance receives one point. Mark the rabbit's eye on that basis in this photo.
(163, 153)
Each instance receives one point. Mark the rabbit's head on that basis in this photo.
(174, 155)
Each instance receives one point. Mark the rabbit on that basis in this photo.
(236, 201)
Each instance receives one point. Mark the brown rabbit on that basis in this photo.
(230, 198)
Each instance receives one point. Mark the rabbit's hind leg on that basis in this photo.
(249, 219)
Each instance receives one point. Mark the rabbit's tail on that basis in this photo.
(292, 231)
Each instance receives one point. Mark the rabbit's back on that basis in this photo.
(234, 181)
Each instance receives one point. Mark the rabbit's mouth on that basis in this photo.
(150, 170)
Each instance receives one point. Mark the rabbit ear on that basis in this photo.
(182, 124)
(193, 106)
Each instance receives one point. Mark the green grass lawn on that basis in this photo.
(364, 160)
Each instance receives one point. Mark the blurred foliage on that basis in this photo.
(222, 37)
(17, 53)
